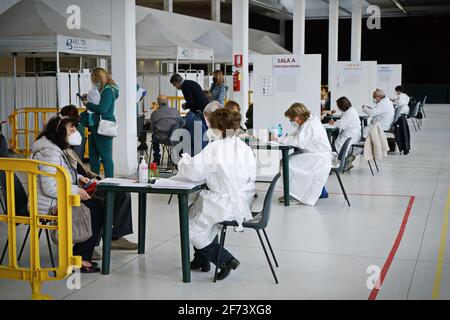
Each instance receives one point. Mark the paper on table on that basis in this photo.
(175, 183)
(116, 181)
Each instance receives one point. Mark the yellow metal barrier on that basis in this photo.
(62, 222)
(26, 114)
(39, 116)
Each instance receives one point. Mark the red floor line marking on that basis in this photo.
(374, 195)
(394, 249)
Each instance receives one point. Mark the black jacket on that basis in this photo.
(402, 135)
(196, 99)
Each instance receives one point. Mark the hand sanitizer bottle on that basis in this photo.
(143, 171)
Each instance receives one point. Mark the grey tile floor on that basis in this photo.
(324, 252)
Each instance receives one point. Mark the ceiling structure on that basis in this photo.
(315, 9)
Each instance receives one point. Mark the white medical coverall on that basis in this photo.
(383, 113)
(350, 127)
(309, 170)
(228, 166)
(402, 101)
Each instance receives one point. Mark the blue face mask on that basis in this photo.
(97, 85)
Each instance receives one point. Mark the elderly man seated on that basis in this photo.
(162, 123)
(382, 113)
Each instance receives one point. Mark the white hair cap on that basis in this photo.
(212, 106)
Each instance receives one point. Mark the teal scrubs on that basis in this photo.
(100, 147)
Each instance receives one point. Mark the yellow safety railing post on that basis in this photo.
(62, 223)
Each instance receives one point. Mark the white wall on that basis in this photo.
(269, 110)
(389, 76)
(356, 81)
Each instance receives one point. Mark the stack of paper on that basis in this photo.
(175, 183)
(116, 181)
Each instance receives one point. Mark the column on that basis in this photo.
(356, 30)
(168, 5)
(299, 27)
(240, 14)
(123, 61)
(333, 37)
(215, 10)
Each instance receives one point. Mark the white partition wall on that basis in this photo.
(279, 81)
(389, 76)
(356, 81)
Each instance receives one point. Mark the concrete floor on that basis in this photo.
(324, 252)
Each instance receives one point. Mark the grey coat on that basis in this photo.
(46, 151)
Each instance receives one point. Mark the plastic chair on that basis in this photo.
(422, 106)
(413, 116)
(258, 223)
(361, 146)
(342, 158)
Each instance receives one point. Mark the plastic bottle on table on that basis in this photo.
(143, 171)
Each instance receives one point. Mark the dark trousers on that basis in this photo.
(122, 219)
(156, 149)
(210, 253)
(86, 248)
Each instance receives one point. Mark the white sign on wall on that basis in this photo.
(389, 76)
(286, 65)
(354, 80)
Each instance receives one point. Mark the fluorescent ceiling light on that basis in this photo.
(399, 5)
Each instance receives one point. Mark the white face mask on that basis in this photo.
(322, 102)
(294, 124)
(375, 101)
(75, 139)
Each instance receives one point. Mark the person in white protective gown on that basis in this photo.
(228, 166)
(309, 170)
(382, 113)
(401, 100)
(349, 127)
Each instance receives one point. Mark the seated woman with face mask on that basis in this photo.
(59, 134)
(308, 170)
(228, 167)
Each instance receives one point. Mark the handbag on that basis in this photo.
(81, 224)
(107, 128)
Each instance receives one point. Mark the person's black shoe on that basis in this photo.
(197, 266)
(225, 271)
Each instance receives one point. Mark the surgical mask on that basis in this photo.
(97, 85)
(75, 139)
(322, 102)
(375, 101)
(295, 124)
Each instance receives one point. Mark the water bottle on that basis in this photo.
(280, 130)
(143, 171)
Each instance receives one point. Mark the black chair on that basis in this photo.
(414, 116)
(342, 158)
(258, 223)
(422, 106)
(361, 146)
(167, 148)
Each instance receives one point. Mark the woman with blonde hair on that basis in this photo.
(218, 88)
(100, 146)
(308, 170)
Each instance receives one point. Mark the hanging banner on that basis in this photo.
(82, 46)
